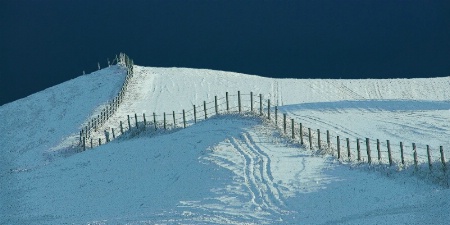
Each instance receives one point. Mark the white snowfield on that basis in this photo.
(229, 169)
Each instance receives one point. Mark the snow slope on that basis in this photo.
(225, 170)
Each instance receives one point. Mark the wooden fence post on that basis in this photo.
(260, 105)
(204, 109)
(318, 139)
(276, 116)
(301, 134)
(184, 119)
(338, 147)
(164, 120)
(401, 153)
(310, 138)
(268, 109)
(129, 124)
(215, 104)
(114, 135)
(226, 99)
(389, 152)
(145, 121)
(251, 101)
(174, 121)
(154, 120)
(415, 156)
(358, 149)
(292, 128)
(135, 118)
(349, 153)
(239, 101)
(378, 150)
(328, 140)
(99, 141)
(444, 167)
(284, 122)
(429, 157)
(369, 157)
(91, 143)
(84, 143)
(121, 127)
(195, 115)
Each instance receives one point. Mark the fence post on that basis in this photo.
(415, 156)
(301, 134)
(401, 153)
(184, 119)
(429, 157)
(239, 101)
(310, 138)
(328, 140)
(91, 143)
(204, 109)
(215, 104)
(121, 127)
(358, 149)
(99, 141)
(226, 99)
(251, 101)
(135, 118)
(318, 139)
(292, 128)
(276, 116)
(338, 147)
(165, 127)
(129, 124)
(389, 152)
(114, 135)
(268, 109)
(442, 158)
(84, 143)
(349, 153)
(154, 120)
(174, 121)
(145, 121)
(260, 105)
(195, 115)
(369, 157)
(284, 122)
(378, 150)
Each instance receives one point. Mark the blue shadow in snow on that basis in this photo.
(388, 105)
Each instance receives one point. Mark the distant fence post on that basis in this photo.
(349, 153)
(114, 135)
(358, 149)
(129, 123)
(215, 104)
(284, 122)
(184, 119)
(239, 101)
(135, 118)
(328, 139)
(174, 121)
(204, 109)
(226, 99)
(401, 153)
(369, 157)
(338, 146)
(195, 115)
(268, 109)
(260, 105)
(154, 120)
(91, 143)
(292, 128)
(84, 143)
(145, 121)
(164, 120)
(251, 101)
(310, 138)
(276, 116)
(99, 141)
(301, 134)
(121, 127)
(378, 150)
(389, 152)
(444, 167)
(429, 157)
(415, 156)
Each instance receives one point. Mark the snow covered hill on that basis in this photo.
(229, 169)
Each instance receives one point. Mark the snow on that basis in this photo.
(229, 169)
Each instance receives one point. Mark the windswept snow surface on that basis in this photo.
(225, 170)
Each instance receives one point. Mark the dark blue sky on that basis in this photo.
(43, 42)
